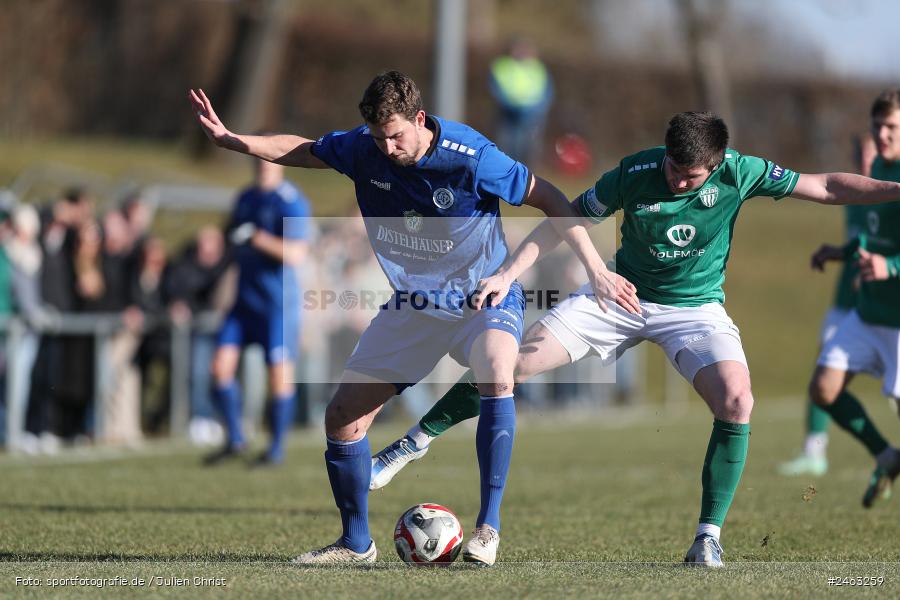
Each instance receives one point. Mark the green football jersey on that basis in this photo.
(879, 301)
(675, 246)
(844, 292)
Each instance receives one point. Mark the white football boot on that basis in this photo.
(336, 554)
(482, 546)
(704, 552)
(392, 459)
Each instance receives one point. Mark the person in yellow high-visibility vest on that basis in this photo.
(523, 90)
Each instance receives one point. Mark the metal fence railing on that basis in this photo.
(101, 327)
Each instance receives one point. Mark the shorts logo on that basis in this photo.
(413, 221)
(443, 198)
(776, 173)
(681, 235)
(873, 221)
(709, 196)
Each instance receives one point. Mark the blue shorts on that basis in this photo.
(277, 333)
(403, 346)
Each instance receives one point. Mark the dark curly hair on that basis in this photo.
(696, 139)
(390, 93)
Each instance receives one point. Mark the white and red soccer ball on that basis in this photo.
(428, 534)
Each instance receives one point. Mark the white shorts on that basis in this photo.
(830, 323)
(692, 337)
(859, 347)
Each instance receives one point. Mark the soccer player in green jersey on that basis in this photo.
(868, 340)
(813, 459)
(680, 202)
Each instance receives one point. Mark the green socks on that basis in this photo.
(461, 402)
(817, 418)
(850, 415)
(722, 468)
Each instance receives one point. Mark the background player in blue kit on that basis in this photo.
(429, 191)
(269, 229)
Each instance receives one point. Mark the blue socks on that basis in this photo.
(349, 470)
(227, 399)
(494, 443)
(281, 415)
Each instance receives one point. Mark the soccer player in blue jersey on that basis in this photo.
(429, 191)
(268, 229)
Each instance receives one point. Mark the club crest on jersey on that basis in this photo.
(709, 196)
(443, 198)
(413, 221)
(873, 222)
(681, 235)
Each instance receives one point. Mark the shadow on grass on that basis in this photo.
(175, 510)
(112, 557)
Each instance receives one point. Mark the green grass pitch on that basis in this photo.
(597, 505)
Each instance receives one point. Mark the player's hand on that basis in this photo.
(491, 290)
(212, 126)
(612, 286)
(825, 253)
(133, 319)
(180, 313)
(872, 267)
(242, 234)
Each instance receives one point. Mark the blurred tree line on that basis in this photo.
(122, 68)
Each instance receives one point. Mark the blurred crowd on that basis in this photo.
(62, 261)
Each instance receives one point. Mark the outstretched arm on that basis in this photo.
(844, 188)
(564, 224)
(288, 150)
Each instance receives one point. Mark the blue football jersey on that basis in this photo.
(265, 283)
(434, 226)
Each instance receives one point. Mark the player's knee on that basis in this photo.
(496, 377)
(281, 382)
(822, 391)
(222, 371)
(343, 416)
(737, 403)
(336, 417)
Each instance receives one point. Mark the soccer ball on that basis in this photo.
(428, 534)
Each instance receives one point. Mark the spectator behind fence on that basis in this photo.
(150, 295)
(523, 90)
(139, 217)
(5, 312)
(120, 395)
(25, 258)
(194, 287)
(77, 362)
(60, 386)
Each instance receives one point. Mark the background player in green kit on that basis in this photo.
(680, 203)
(868, 340)
(813, 459)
